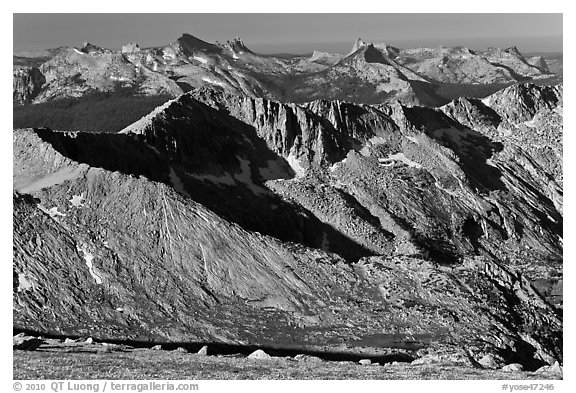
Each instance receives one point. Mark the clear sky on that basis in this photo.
(292, 33)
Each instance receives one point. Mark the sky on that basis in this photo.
(292, 33)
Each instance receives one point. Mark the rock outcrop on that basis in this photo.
(27, 83)
(26, 343)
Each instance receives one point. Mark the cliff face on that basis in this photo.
(222, 217)
(27, 83)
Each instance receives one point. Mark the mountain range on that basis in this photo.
(331, 202)
(369, 74)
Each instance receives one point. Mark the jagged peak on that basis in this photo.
(201, 94)
(512, 50)
(392, 50)
(186, 37)
(238, 45)
(188, 43)
(357, 45)
(238, 41)
(138, 126)
(374, 55)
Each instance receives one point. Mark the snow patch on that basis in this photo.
(200, 59)
(377, 140)
(118, 78)
(23, 283)
(53, 179)
(412, 139)
(336, 164)
(246, 177)
(393, 158)
(177, 182)
(531, 123)
(76, 200)
(89, 257)
(296, 166)
(559, 110)
(213, 81)
(53, 212)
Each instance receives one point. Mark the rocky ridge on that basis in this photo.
(331, 224)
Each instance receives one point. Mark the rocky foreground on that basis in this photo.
(87, 359)
(329, 226)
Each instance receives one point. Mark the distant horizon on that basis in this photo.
(343, 47)
(296, 34)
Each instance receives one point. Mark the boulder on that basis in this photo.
(491, 361)
(26, 343)
(203, 351)
(365, 362)
(556, 368)
(307, 358)
(157, 347)
(180, 349)
(89, 340)
(259, 355)
(553, 369)
(70, 341)
(112, 346)
(513, 367)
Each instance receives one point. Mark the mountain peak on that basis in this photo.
(358, 44)
(188, 43)
(90, 48)
(237, 45)
(512, 49)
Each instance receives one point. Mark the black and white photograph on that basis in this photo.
(286, 196)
